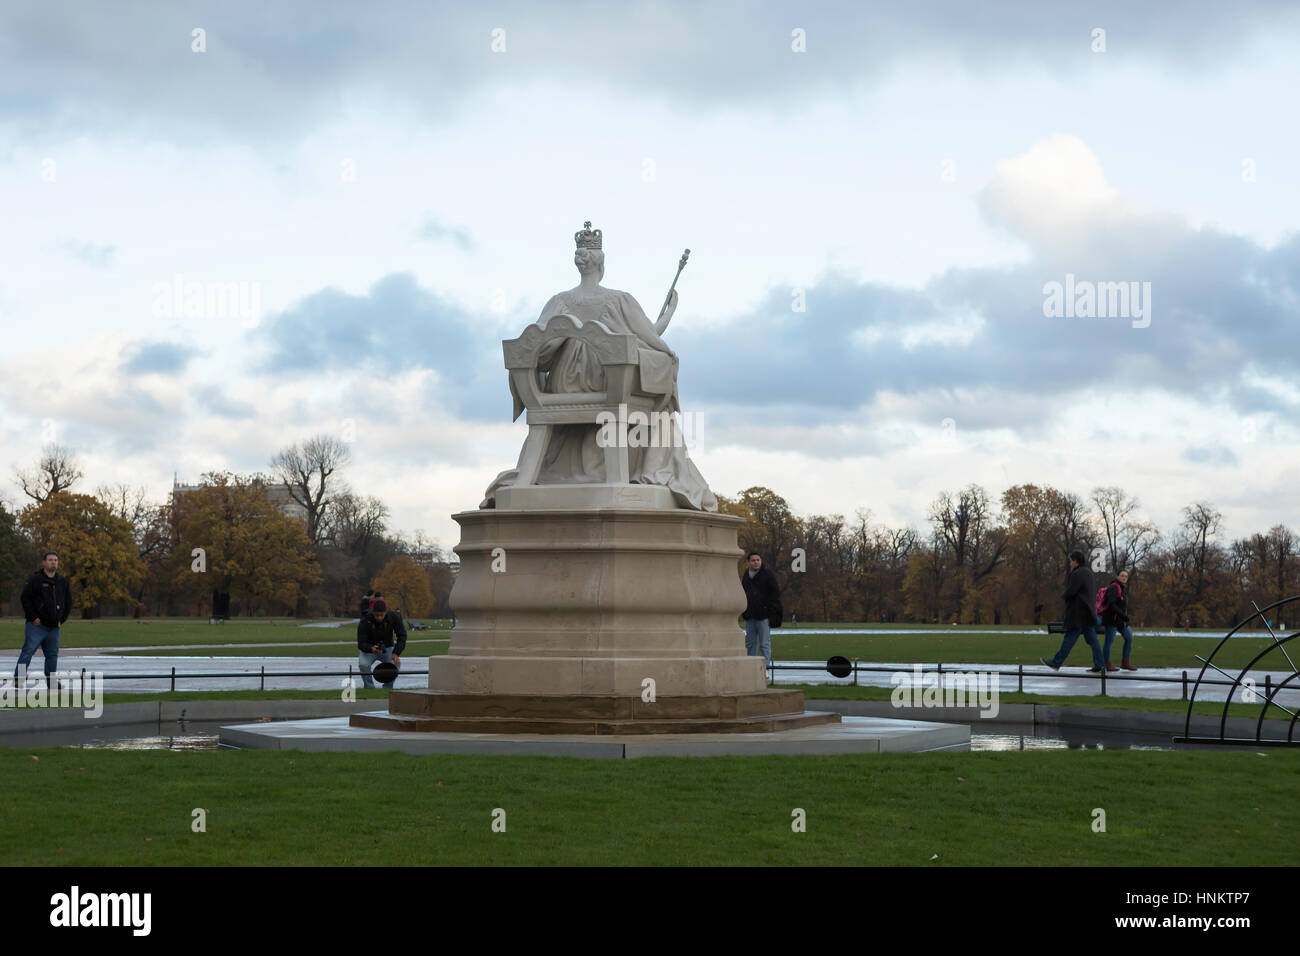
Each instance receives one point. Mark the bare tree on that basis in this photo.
(151, 527)
(966, 526)
(1071, 527)
(1031, 513)
(56, 471)
(355, 523)
(306, 472)
(129, 504)
(1197, 535)
(1127, 537)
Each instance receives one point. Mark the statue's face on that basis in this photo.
(587, 261)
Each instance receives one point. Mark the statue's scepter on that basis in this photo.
(680, 266)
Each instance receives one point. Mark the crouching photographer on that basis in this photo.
(381, 636)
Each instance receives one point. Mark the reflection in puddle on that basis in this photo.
(173, 742)
(1028, 737)
(145, 735)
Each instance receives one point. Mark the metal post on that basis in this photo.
(1103, 682)
(1020, 678)
(83, 680)
(1184, 685)
(262, 685)
(1268, 687)
(855, 672)
(173, 680)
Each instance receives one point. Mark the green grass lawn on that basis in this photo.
(1001, 647)
(987, 645)
(150, 632)
(874, 625)
(842, 692)
(983, 644)
(414, 648)
(125, 808)
(993, 648)
(184, 696)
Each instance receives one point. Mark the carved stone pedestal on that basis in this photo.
(568, 618)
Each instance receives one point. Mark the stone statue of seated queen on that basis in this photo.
(599, 385)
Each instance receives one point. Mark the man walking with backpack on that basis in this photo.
(1080, 615)
(1114, 617)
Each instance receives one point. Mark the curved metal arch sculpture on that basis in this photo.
(1268, 696)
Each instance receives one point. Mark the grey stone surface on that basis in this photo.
(275, 709)
(73, 718)
(1173, 724)
(1046, 715)
(168, 712)
(854, 735)
(543, 497)
(1007, 713)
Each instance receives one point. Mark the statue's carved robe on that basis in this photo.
(573, 456)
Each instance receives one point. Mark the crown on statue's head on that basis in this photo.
(587, 238)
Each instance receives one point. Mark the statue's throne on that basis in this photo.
(620, 356)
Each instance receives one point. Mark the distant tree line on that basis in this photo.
(301, 541)
(227, 545)
(1003, 561)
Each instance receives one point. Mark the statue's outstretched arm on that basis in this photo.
(640, 325)
(667, 315)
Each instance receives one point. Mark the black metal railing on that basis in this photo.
(1020, 673)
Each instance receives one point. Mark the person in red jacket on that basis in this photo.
(1114, 617)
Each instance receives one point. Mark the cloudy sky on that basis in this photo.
(874, 196)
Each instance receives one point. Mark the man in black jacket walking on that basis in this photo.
(762, 607)
(1080, 615)
(381, 636)
(46, 599)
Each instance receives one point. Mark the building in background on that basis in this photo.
(277, 493)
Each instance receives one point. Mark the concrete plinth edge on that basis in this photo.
(852, 735)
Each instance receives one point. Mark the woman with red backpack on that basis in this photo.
(1113, 602)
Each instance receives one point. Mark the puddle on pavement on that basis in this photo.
(1029, 737)
(179, 735)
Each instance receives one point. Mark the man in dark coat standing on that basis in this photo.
(1080, 615)
(763, 609)
(46, 599)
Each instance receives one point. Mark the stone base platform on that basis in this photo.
(426, 711)
(852, 735)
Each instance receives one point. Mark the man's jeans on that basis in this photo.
(366, 660)
(47, 639)
(758, 638)
(1110, 639)
(1090, 635)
